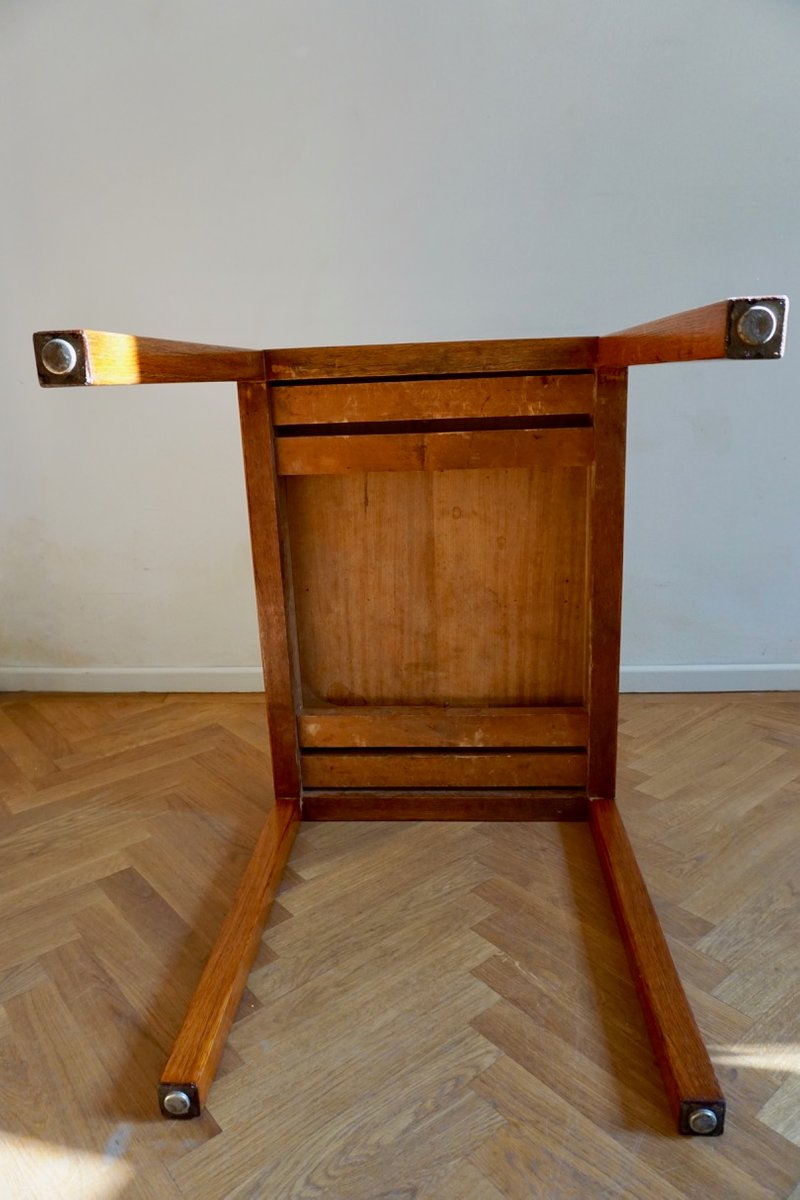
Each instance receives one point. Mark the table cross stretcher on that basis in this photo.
(437, 545)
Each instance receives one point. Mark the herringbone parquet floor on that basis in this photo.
(438, 1012)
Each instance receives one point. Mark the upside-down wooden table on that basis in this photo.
(437, 544)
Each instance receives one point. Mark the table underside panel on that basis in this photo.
(462, 587)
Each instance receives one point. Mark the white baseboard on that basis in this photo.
(720, 677)
(727, 677)
(131, 679)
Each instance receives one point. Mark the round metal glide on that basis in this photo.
(703, 1120)
(59, 356)
(177, 1103)
(757, 325)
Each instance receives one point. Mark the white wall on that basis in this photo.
(299, 172)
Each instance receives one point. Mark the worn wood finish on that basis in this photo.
(689, 1077)
(607, 514)
(444, 804)
(434, 399)
(696, 334)
(198, 1047)
(346, 454)
(406, 725)
(433, 358)
(123, 358)
(551, 768)
(471, 583)
(273, 584)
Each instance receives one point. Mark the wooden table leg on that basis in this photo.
(191, 1066)
(691, 1083)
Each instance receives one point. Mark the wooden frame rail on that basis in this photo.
(527, 743)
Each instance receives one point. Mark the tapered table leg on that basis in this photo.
(691, 1083)
(191, 1066)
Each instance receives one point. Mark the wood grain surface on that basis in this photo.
(460, 587)
(444, 804)
(433, 358)
(455, 450)
(201, 1039)
(689, 1077)
(434, 399)
(272, 571)
(124, 358)
(606, 520)
(456, 769)
(407, 725)
(696, 334)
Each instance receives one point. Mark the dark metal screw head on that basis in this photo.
(757, 325)
(177, 1103)
(703, 1120)
(59, 356)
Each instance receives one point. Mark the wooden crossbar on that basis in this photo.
(437, 547)
(375, 727)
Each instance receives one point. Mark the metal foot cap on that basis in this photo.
(177, 1103)
(757, 325)
(59, 356)
(703, 1120)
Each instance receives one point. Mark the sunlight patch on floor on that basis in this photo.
(35, 1170)
(769, 1056)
